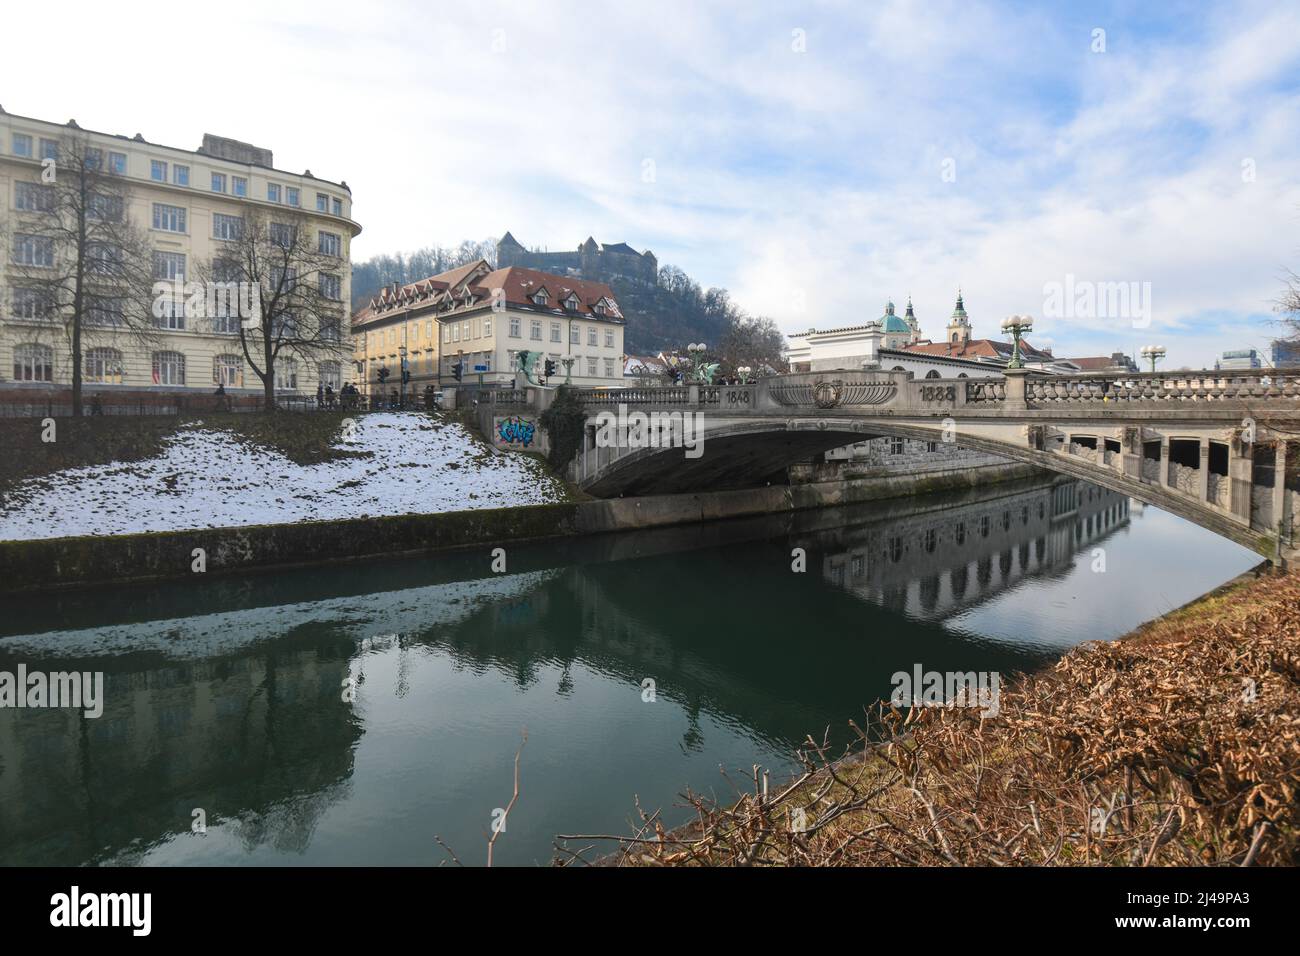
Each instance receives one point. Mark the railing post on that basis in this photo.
(693, 395)
(1240, 478)
(1165, 462)
(1279, 492)
(1016, 380)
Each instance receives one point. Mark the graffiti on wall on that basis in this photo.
(516, 431)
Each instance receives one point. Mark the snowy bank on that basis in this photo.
(409, 464)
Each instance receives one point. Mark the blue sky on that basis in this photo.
(798, 151)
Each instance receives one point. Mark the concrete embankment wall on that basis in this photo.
(66, 562)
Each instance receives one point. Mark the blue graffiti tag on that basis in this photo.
(516, 431)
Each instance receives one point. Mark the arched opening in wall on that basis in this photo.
(1085, 441)
(1151, 460)
(1263, 474)
(962, 375)
(1113, 446)
(1185, 464)
(1218, 465)
(932, 374)
(898, 368)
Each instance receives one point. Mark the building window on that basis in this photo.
(330, 374)
(464, 330)
(575, 334)
(228, 370)
(514, 327)
(592, 336)
(106, 311)
(338, 207)
(238, 186)
(168, 218)
(291, 195)
(428, 330)
(117, 163)
(104, 208)
(227, 227)
(555, 332)
(22, 144)
(286, 374)
(322, 202)
(330, 244)
(932, 446)
(535, 330)
(540, 297)
(93, 158)
(591, 366)
(181, 175)
(168, 368)
(609, 338)
(896, 446)
(331, 287)
(273, 192)
(158, 170)
(487, 327)
(455, 331)
(282, 235)
(598, 308)
(33, 363)
(33, 250)
(446, 333)
(572, 303)
(609, 368)
(103, 366)
(32, 303)
(33, 197)
(218, 182)
(169, 265)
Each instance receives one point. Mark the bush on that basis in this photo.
(564, 422)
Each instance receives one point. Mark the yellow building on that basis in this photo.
(186, 200)
(481, 318)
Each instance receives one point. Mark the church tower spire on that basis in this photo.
(959, 325)
(910, 318)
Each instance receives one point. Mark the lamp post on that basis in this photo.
(1153, 353)
(744, 371)
(1016, 326)
(401, 376)
(696, 351)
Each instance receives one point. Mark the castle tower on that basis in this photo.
(959, 325)
(508, 251)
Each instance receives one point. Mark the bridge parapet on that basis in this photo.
(1205, 386)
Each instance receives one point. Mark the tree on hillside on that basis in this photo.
(79, 267)
(288, 282)
(753, 342)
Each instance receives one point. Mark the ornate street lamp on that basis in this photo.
(744, 371)
(1154, 353)
(1016, 326)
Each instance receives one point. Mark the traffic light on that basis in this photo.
(383, 373)
(458, 370)
(549, 368)
(406, 375)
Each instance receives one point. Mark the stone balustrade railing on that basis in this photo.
(1164, 387)
(985, 390)
(669, 395)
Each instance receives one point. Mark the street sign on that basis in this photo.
(480, 368)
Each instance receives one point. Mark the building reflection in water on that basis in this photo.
(237, 709)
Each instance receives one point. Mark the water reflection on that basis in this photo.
(229, 696)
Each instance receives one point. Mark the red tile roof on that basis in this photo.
(518, 286)
(976, 348)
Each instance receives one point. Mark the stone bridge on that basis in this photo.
(1211, 447)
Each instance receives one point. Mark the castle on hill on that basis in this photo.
(592, 260)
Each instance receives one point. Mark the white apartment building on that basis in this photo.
(189, 201)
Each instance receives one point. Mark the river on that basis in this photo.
(356, 713)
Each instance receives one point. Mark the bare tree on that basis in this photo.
(1288, 306)
(77, 261)
(289, 281)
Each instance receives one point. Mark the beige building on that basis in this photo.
(186, 201)
(482, 318)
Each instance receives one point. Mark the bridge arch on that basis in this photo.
(748, 452)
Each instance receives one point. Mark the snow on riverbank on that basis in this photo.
(211, 479)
